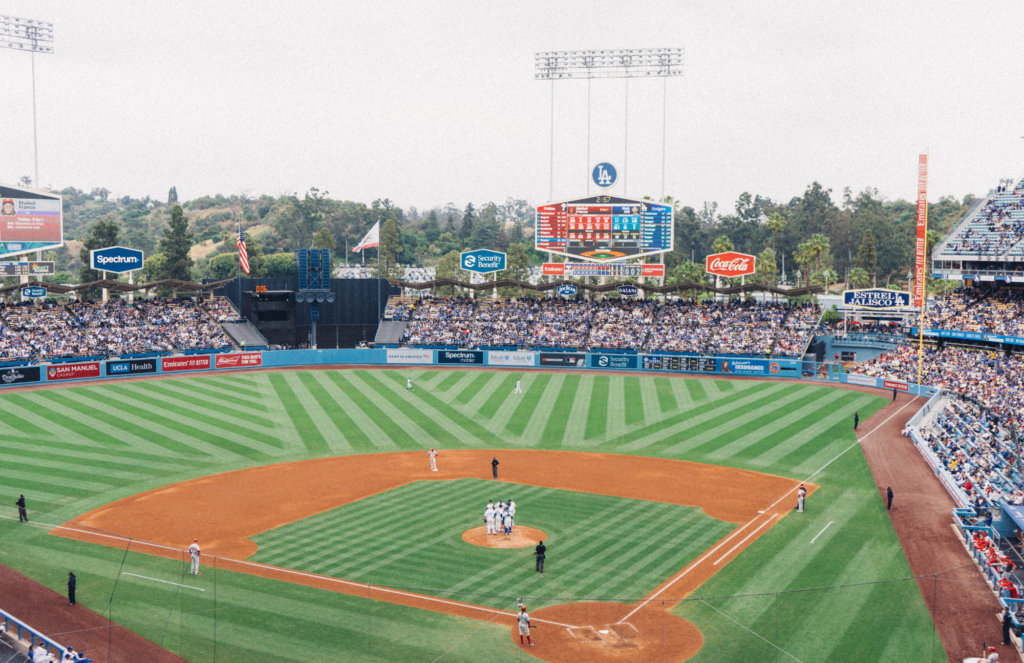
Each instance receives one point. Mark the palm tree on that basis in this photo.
(721, 244)
(775, 223)
(859, 278)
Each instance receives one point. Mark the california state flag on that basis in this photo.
(371, 240)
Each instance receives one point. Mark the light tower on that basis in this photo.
(25, 34)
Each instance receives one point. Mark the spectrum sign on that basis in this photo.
(117, 259)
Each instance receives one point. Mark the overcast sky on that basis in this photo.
(434, 102)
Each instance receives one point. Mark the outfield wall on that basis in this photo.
(422, 357)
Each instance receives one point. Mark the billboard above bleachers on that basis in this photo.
(30, 220)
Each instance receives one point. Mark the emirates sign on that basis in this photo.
(730, 264)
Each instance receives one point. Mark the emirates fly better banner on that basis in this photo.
(920, 252)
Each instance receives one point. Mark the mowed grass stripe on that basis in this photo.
(143, 414)
(430, 426)
(330, 414)
(220, 383)
(165, 464)
(696, 389)
(517, 423)
(308, 432)
(20, 424)
(450, 380)
(79, 456)
(597, 419)
(56, 417)
(551, 438)
(474, 386)
(384, 421)
(682, 441)
(482, 435)
(68, 472)
(198, 387)
(504, 389)
(666, 397)
(725, 404)
(353, 434)
(633, 400)
(20, 485)
(105, 415)
(190, 414)
(247, 415)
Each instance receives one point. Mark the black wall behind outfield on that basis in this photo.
(356, 309)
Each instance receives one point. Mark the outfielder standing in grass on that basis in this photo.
(518, 390)
(408, 384)
(194, 551)
(524, 626)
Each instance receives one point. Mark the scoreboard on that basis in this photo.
(677, 363)
(604, 228)
(27, 268)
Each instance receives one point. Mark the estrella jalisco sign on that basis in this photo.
(876, 298)
(482, 261)
(117, 259)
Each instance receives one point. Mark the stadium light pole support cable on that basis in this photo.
(25, 34)
(624, 63)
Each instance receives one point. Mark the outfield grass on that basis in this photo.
(70, 450)
(415, 535)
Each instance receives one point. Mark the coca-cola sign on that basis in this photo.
(729, 264)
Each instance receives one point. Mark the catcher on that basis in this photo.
(524, 626)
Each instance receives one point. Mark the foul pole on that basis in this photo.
(921, 254)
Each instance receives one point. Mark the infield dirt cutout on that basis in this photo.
(521, 537)
(225, 510)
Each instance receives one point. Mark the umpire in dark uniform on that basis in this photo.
(22, 512)
(494, 467)
(72, 583)
(538, 552)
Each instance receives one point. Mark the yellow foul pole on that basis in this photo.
(921, 255)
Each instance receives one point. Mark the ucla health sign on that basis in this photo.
(483, 261)
(876, 298)
(117, 259)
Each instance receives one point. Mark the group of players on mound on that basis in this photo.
(500, 519)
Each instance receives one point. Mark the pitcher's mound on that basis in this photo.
(520, 537)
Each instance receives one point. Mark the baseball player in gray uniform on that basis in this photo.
(507, 522)
(489, 519)
(194, 551)
(433, 460)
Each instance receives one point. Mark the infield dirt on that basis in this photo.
(224, 510)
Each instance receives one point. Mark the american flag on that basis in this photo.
(243, 255)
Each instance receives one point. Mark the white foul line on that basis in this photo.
(767, 522)
(786, 494)
(176, 584)
(822, 531)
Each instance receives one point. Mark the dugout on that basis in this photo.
(351, 319)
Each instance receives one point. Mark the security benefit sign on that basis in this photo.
(612, 361)
(133, 367)
(117, 259)
(482, 261)
(876, 298)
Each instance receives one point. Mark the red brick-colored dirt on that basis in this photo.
(258, 499)
(74, 626)
(961, 604)
(521, 537)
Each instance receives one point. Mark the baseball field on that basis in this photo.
(666, 503)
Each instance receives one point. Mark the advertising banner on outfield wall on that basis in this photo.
(460, 357)
(133, 367)
(612, 361)
(563, 359)
(754, 366)
(171, 364)
(239, 360)
(73, 371)
(865, 380)
(898, 386)
(410, 357)
(19, 375)
(512, 358)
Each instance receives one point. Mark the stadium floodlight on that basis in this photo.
(25, 34)
(624, 63)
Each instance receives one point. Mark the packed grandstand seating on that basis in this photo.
(709, 327)
(114, 328)
(977, 451)
(982, 310)
(995, 229)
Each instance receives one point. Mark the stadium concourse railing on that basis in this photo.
(655, 364)
(25, 633)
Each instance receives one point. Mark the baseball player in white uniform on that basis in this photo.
(512, 511)
(194, 551)
(518, 389)
(524, 626)
(433, 460)
(489, 519)
(800, 499)
(408, 384)
(507, 523)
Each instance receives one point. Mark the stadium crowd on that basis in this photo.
(994, 230)
(114, 328)
(709, 327)
(982, 310)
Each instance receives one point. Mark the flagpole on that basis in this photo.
(239, 270)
